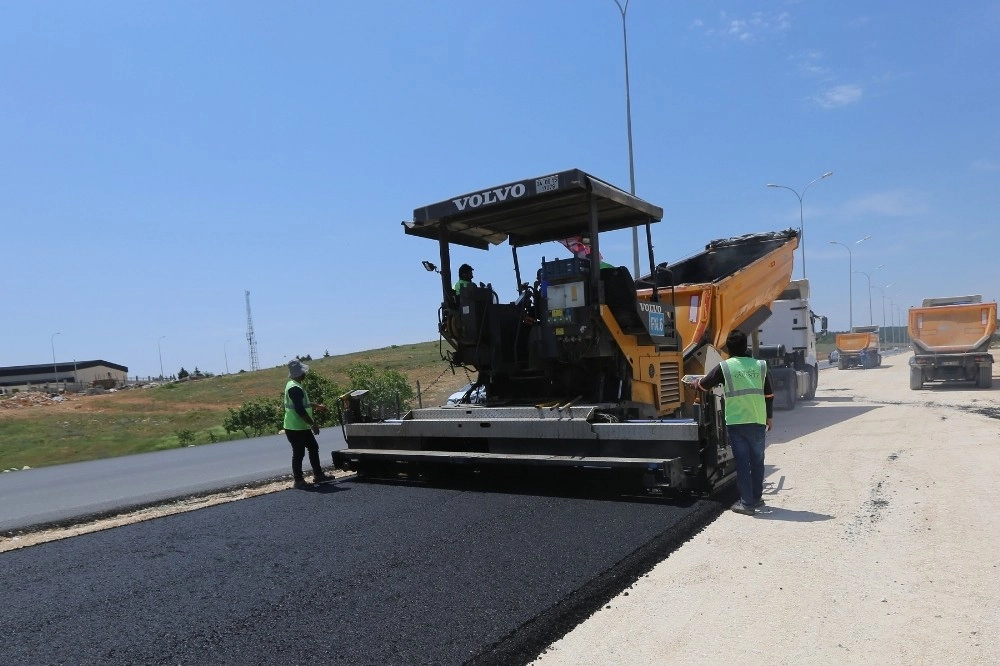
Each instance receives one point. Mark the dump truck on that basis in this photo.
(859, 348)
(583, 370)
(951, 338)
(787, 341)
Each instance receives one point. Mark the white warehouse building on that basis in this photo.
(75, 373)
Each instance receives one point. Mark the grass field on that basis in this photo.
(138, 420)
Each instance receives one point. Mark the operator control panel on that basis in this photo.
(565, 289)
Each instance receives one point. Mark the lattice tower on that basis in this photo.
(251, 340)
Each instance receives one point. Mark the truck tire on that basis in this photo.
(790, 389)
(842, 364)
(813, 382)
(985, 377)
(916, 379)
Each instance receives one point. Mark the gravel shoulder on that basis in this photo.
(879, 545)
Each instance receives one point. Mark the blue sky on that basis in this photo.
(160, 159)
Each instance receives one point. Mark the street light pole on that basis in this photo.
(226, 355)
(850, 278)
(884, 298)
(160, 352)
(903, 319)
(52, 343)
(623, 9)
(802, 235)
(881, 290)
(892, 316)
(869, 276)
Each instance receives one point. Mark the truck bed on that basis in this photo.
(952, 329)
(728, 285)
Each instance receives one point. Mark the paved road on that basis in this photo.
(352, 573)
(62, 493)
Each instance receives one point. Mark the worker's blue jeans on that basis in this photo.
(747, 442)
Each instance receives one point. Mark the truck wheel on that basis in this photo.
(791, 394)
(985, 376)
(813, 382)
(916, 379)
(842, 364)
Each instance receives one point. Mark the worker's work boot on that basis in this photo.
(740, 507)
(300, 484)
(320, 477)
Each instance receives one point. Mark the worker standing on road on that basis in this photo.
(300, 427)
(749, 403)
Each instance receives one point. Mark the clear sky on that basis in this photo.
(159, 159)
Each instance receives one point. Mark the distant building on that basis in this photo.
(77, 373)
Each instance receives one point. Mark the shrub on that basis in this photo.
(185, 437)
(322, 391)
(256, 417)
(386, 388)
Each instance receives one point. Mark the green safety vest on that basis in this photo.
(292, 419)
(744, 390)
(460, 284)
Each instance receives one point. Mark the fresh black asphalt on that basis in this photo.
(349, 573)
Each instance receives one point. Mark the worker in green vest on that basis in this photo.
(300, 426)
(464, 277)
(749, 406)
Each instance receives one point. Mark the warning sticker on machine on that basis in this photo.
(547, 184)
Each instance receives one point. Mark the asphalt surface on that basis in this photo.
(62, 494)
(351, 572)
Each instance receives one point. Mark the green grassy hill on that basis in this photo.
(138, 420)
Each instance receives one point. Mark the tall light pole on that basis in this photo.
(160, 352)
(869, 276)
(226, 355)
(802, 235)
(881, 290)
(850, 278)
(623, 9)
(52, 343)
(891, 317)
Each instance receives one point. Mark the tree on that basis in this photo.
(182, 374)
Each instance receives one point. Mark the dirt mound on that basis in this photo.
(32, 399)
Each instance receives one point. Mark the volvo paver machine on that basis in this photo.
(584, 369)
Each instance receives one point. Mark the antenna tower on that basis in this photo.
(251, 340)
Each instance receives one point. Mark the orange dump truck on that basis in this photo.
(951, 340)
(859, 348)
